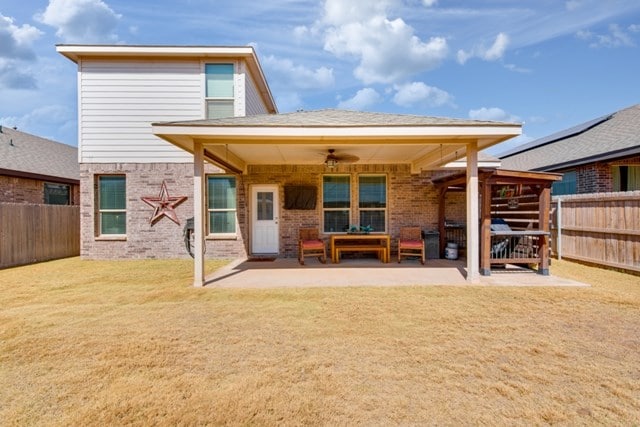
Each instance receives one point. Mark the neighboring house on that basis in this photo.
(601, 155)
(182, 132)
(37, 170)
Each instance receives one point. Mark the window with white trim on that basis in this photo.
(112, 205)
(372, 201)
(336, 203)
(221, 204)
(219, 91)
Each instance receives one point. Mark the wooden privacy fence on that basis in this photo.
(32, 233)
(601, 228)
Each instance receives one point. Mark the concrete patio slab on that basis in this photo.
(288, 273)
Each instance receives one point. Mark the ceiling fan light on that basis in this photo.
(331, 163)
(331, 160)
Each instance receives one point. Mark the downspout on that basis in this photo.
(559, 228)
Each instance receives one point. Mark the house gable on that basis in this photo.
(123, 89)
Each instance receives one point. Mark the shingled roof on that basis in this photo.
(23, 154)
(335, 118)
(605, 138)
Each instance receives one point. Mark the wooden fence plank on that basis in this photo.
(601, 229)
(33, 233)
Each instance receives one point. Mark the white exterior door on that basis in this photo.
(265, 230)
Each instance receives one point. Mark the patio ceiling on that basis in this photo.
(302, 138)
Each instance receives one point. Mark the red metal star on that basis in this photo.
(164, 204)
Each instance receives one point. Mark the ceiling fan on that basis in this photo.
(333, 159)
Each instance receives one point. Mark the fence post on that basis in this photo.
(559, 228)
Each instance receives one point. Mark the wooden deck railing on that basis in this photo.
(517, 247)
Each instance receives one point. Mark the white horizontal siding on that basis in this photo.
(120, 99)
(254, 103)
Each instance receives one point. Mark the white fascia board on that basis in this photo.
(462, 165)
(369, 132)
(75, 52)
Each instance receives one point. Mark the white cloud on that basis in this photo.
(537, 119)
(301, 32)
(517, 69)
(340, 12)
(617, 37)
(418, 93)
(429, 3)
(494, 114)
(494, 52)
(388, 51)
(15, 49)
(573, 5)
(16, 76)
(59, 115)
(362, 100)
(288, 102)
(299, 76)
(16, 41)
(85, 21)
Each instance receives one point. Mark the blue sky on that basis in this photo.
(549, 64)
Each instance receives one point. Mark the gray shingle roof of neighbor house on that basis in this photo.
(23, 154)
(335, 118)
(607, 137)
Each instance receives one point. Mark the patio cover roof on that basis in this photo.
(305, 137)
(500, 177)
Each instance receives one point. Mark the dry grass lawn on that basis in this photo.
(132, 342)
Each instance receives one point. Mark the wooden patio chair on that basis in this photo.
(411, 243)
(310, 244)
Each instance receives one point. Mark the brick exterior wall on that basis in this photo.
(27, 190)
(594, 178)
(412, 200)
(597, 177)
(164, 238)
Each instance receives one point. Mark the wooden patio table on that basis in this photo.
(346, 241)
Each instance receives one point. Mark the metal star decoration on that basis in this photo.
(164, 205)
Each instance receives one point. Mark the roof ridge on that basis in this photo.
(565, 133)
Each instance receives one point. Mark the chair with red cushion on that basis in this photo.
(310, 244)
(411, 243)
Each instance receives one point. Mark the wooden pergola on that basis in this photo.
(514, 216)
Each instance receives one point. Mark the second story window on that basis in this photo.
(219, 90)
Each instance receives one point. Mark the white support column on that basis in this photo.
(559, 228)
(198, 214)
(473, 218)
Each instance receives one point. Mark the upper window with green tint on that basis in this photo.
(219, 90)
(219, 80)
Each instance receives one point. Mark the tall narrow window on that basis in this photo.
(221, 192)
(336, 203)
(112, 202)
(219, 90)
(372, 201)
(56, 194)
